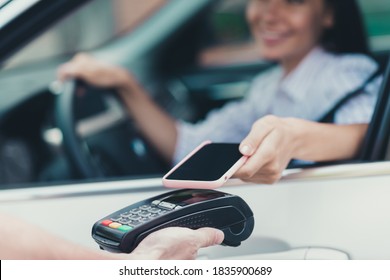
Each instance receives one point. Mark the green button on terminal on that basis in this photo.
(125, 228)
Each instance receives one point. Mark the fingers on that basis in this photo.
(67, 71)
(97, 73)
(260, 129)
(177, 243)
(73, 68)
(202, 237)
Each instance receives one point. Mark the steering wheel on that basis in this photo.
(99, 137)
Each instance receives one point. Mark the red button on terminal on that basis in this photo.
(106, 222)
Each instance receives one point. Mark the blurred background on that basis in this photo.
(100, 21)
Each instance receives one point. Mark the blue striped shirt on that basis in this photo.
(308, 92)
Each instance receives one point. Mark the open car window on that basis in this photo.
(29, 140)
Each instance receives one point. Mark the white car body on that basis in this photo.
(338, 212)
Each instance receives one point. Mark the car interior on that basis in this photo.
(67, 137)
(70, 149)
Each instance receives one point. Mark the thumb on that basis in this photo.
(209, 236)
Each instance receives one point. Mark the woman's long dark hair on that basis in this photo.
(348, 34)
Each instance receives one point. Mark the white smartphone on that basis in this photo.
(208, 166)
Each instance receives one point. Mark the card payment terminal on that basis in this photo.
(123, 230)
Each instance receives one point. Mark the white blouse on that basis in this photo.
(309, 92)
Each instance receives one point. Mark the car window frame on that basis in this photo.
(32, 21)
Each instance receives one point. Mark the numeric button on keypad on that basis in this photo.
(154, 210)
(145, 207)
(124, 221)
(135, 210)
(135, 217)
(145, 214)
(143, 220)
(116, 218)
(134, 223)
(126, 214)
(154, 215)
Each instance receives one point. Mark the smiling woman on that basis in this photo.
(237, 48)
(287, 30)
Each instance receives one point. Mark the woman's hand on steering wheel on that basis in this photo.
(94, 72)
